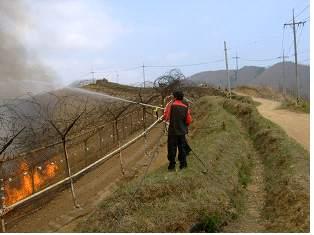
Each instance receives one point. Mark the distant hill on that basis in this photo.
(218, 78)
(275, 78)
(259, 76)
(248, 74)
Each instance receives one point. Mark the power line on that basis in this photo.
(307, 6)
(237, 65)
(120, 70)
(183, 65)
(300, 34)
(257, 60)
(306, 19)
(292, 42)
(283, 39)
(302, 10)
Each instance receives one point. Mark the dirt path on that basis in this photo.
(296, 125)
(59, 214)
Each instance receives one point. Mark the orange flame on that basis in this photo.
(27, 184)
(42, 177)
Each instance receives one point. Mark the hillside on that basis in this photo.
(273, 77)
(260, 76)
(218, 78)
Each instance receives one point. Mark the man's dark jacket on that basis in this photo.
(178, 114)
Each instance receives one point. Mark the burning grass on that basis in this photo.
(186, 200)
(28, 182)
(286, 170)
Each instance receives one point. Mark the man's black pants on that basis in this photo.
(177, 142)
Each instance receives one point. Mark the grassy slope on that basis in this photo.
(177, 201)
(286, 170)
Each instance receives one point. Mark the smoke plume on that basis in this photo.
(20, 72)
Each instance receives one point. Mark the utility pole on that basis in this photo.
(293, 24)
(283, 57)
(117, 76)
(226, 59)
(93, 74)
(144, 75)
(237, 66)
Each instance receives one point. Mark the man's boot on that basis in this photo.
(183, 165)
(172, 166)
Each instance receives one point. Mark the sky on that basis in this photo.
(114, 38)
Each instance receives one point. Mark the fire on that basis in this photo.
(26, 184)
(41, 177)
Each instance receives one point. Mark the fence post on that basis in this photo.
(70, 175)
(32, 172)
(145, 135)
(131, 123)
(100, 140)
(121, 161)
(123, 129)
(113, 132)
(85, 152)
(120, 152)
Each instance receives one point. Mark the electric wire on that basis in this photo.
(302, 10)
(183, 65)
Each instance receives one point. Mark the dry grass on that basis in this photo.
(286, 171)
(185, 200)
(303, 106)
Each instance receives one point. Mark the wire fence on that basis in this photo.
(33, 172)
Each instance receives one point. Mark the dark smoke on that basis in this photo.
(19, 71)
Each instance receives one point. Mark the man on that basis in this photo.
(178, 115)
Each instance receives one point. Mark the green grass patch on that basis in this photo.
(186, 200)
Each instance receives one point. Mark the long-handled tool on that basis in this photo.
(197, 157)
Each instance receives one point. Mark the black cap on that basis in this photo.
(178, 94)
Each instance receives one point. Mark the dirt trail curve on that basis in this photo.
(296, 125)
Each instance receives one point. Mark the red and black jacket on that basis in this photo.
(179, 116)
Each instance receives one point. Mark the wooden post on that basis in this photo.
(131, 123)
(121, 161)
(123, 129)
(70, 174)
(100, 141)
(85, 152)
(33, 184)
